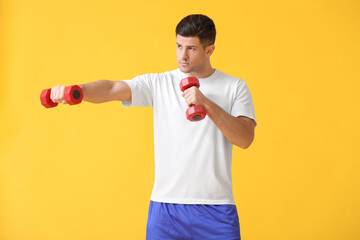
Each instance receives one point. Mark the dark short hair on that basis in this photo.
(197, 25)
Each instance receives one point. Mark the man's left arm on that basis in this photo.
(237, 130)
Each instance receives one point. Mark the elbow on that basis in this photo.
(244, 144)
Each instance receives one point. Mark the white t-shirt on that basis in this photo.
(192, 159)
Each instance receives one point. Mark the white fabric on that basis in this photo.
(192, 159)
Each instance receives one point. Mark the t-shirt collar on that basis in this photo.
(183, 75)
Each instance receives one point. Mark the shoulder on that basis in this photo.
(235, 82)
(160, 75)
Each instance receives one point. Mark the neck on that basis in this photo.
(202, 74)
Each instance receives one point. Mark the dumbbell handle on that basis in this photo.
(72, 95)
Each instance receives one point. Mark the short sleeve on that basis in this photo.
(141, 91)
(243, 104)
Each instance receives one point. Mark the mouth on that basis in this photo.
(184, 63)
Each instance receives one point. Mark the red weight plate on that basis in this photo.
(46, 100)
(195, 113)
(73, 95)
(189, 82)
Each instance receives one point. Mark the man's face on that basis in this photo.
(190, 54)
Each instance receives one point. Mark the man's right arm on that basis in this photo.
(97, 92)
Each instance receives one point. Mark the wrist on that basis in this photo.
(207, 104)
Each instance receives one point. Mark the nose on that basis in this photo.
(184, 55)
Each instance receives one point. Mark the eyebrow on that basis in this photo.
(187, 45)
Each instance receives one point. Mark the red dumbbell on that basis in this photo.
(194, 112)
(72, 95)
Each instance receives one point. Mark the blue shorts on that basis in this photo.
(170, 221)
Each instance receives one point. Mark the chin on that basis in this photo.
(185, 70)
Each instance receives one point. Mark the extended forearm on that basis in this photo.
(97, 92)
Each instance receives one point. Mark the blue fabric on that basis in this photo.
(171, 221)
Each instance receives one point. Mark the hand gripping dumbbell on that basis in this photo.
(72, 95)
(194, 112)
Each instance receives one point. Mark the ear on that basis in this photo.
(210, 49)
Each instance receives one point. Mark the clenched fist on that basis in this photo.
(57, 94)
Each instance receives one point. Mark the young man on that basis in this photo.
(192, 196)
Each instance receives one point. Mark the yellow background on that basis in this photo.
(86, 172)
